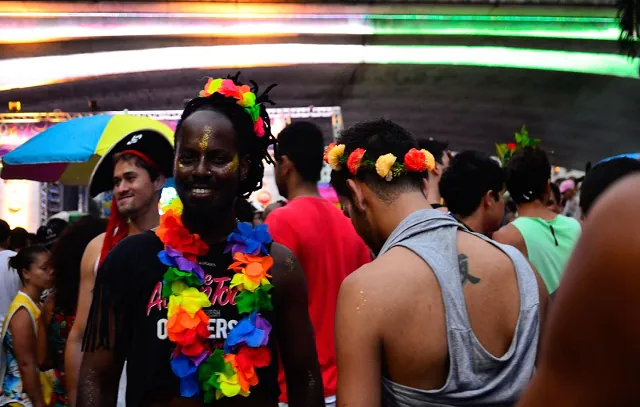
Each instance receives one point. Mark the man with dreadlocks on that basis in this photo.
(135, 169)
(204, 307)
(443, 316)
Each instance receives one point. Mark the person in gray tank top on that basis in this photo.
(443, 316)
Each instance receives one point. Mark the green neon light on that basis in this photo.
(578, 62)
(585, 28)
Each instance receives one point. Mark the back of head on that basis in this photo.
(18, 239)
(470, 176)
(5, 231)
(555, 190)
(435, 147)
(378, 138)
(66, 257)
(602, 176)
(303, 144)
(25, 258)
(528, 174)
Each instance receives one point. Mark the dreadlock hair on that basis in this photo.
(249, 143)
(378, 137)
(528, 173)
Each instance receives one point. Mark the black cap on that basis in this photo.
(47, 235)
(152, 144)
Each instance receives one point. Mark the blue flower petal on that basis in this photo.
(166, 259)
(255, 338)
(189, 386)
(182, 366)
(245, 228)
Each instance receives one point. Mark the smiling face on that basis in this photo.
(133, 188)
(207, 167)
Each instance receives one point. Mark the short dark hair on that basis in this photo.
(138, 162)
(18, 239)
(378, 137)
(470, 176)
(528, 173)
(303, 144)
(602, 176)
(5, 231)
(435, 147)
(66, 257)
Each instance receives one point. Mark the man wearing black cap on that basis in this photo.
(432, 188)
(135, 169)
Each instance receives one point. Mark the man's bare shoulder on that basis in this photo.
(91, 253)
(387, 277)
(510, 235)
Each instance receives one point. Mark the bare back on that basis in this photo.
(399, 302)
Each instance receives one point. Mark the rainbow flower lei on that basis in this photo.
(221, 373)
(386, 166)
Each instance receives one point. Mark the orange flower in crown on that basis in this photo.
(334, 156)
(419, 160)
(355, 159)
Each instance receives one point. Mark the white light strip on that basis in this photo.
(29, 72)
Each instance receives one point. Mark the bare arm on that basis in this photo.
(294, 331)
(73, 350)
(24, 346)
(358, 348)
(43, 334)
(591, 352)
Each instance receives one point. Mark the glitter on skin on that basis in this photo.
(234, 164)
(206, 134)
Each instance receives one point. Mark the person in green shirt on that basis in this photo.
(546, 238)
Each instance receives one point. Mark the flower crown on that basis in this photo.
(506, 150)
(244, 96)
(386, 166)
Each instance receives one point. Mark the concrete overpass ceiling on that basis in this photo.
(580, 117)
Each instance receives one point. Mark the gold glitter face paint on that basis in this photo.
(206, 135)
(234, 164)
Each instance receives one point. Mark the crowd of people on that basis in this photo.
(424, 289)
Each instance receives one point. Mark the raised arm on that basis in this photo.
(73, 350)
(358, 348)
(24, 346)
(294, 331)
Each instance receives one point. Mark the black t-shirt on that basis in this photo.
(130, 283)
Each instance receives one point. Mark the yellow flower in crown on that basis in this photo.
(429, 160)
(334, 155)
(191, 300)
(384, 164)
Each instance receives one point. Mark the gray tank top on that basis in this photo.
(476, 378)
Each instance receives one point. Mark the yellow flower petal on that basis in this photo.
(174, 306)
(384, 164)
(429, 160)
(334, 156)
(191, 300)
(178, 287)
(238, 281)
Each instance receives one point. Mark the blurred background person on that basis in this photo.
(570, 201)
(440, 151)
(473, 191)
(543, 236)
(59, 313)
(554, 203)
(19, 239)
(9, 279)
(319, 235)
(21, 384)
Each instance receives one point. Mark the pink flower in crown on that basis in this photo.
(258, 127)
(229, 89)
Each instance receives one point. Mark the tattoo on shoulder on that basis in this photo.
(463, 265)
